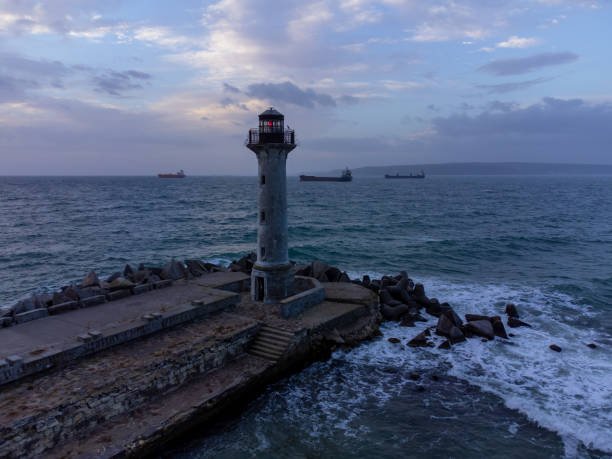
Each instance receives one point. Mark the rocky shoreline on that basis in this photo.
(400, 298)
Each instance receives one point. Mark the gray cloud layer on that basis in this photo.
(509, 87)
(288, 92)
(521, 65)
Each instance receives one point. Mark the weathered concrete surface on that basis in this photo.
(135, 398)
(151, 426)
(230, 281)
(37, 413)
(346, 292)
(53, 340)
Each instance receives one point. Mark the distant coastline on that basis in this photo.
(507, 168)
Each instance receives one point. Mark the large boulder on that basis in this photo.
(473, 317)
(113, 276)
(90, 280)
(447, 310)
(333, 274)
(195, 267)
(393, 313)
(303, 270)
(120, 283)
(319, 268)
(174, 270)
(456, 335)
(386, 298)
(511, 310)
(141, 275)
(444, 326)
(421, 340)
(128, 273)
(71, 292)
(481, 328)
(513, 322)
(498, 327)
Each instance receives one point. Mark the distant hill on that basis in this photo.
(481, 169)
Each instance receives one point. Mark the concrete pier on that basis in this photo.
(133, 397)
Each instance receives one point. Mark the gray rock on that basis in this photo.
(481, 328)
(444, 326)
(319, 268)
(90, 280)
(513, 322)
(112, 277)
(344, 278)
(498, 327)
(174, 270)
(120, 283)
(456, 335)
(195, 267)
(128, 273)
(333, 274)
(386, 298)
(511, 310)
(421, 340)
(394, 313)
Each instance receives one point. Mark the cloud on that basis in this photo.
(288, 92)
(162, 36)
(231, 89)
(518, 42)
(116, 83)
(513, 86)
(521, 65)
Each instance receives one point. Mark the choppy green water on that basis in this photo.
(544, 243)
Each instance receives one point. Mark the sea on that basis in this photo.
(543, 243)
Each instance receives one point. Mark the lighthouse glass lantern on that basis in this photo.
(272, 275)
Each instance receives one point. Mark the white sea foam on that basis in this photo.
(568, 392)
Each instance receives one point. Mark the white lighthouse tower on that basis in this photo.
(272, 276)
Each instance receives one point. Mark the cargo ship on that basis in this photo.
(345, 177)
(179, 174)
(397, 176)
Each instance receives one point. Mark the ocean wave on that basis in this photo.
(569, 392)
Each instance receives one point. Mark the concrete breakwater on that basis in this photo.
(129, 376)
(123, 378)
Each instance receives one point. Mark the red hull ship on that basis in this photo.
(179, 174)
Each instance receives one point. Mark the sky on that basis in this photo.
(97, 87)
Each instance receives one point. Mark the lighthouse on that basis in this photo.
(272, 276)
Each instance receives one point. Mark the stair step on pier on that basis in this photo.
(270, 343)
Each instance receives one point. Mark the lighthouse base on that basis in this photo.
(271, 284)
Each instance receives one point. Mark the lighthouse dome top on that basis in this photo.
(272, 114)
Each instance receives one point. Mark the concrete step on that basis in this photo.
(271, 342)
(263, 355)
(276, 338)
(277, 331)
(267, 349)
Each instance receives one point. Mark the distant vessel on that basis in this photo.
(346, 176)
(179, 174)
(419, 175)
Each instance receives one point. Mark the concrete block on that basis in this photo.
(142, 288)
(14, 360)
(95, 334)
(3, 364)
(31, 315)
(84, 337)
(162, 283)
(6, 321)
(93, 301)
(63, 307)
(118, 294)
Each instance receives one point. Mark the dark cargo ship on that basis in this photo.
(397, 176)
(179, 174)
(345, 177)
